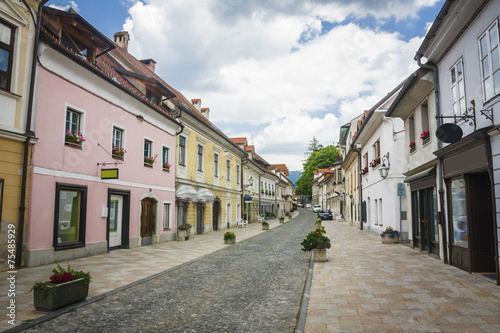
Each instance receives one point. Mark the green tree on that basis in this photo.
(320, 159)
(314, 145)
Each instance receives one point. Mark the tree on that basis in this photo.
(320, 159)
(314, 145)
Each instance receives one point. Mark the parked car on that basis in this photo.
(326, 214)
(316, 208)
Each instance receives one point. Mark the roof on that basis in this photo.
(239, 140)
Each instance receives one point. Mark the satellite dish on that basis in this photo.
(449, 133)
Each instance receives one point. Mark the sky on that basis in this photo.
(278, 72)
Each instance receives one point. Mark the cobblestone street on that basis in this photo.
(252, 286)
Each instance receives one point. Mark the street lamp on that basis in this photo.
(384, 169)
(250, 182)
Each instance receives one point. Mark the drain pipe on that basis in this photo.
(439, 122)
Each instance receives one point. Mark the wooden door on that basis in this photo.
(200, 221)
(215, 215)
(147, 217)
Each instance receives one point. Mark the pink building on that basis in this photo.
(110, 185)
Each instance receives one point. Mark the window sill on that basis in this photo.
(148, 165)
(117, 157)
(166, 170)
(69, 246)
(73, 145)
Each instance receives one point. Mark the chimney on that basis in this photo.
(205, 112)
(121, 38)
(197, 103)
(150, 63)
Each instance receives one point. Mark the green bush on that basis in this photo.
(316, 240)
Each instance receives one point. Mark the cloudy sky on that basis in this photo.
(279, 71)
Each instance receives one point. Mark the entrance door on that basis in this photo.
(215, 215)
(115, 220)
(481, 226)
(425, 227)
(147, 220)
(200, 223)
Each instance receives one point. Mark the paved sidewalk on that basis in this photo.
(367, 286)
(119, 267)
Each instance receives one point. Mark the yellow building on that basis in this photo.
(16, 135)
(208, 172)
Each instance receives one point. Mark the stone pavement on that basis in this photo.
(253, 286)
(119, 268)
(367, 286)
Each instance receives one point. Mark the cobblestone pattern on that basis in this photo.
(253, 286)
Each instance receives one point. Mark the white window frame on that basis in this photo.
(163, 155)
(199, 157)
(182, 151)
(458, 101)
(168, 216)
(82, 112)
(495, 89)
(216, 164)
(151, 148)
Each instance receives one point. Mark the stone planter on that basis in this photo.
(282, 220)
(265, 226)
(183, 235)
(319, 255)
(389, 238)
(61, 295)
(230, 241)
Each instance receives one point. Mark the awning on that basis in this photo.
(186, 193)
(420, 175)
(421, 180)
(205, 196)
(248, 197)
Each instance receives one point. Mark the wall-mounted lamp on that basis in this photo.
(384, 169)
(140, 118)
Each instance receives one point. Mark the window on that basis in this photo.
(457, 89)
(200, 158)
(237, 174)
(216, 165)
(7, 33)
(148, 153)
(459, 213)
(166, 216)
(411, 125)
(70, 216)
(153, 97)
(73, 120)
(117, 150)
(490, 61)
(228, 174)
(365, 160)
(182, 151)
(376, 150)
(165, 158)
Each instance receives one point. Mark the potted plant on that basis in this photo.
(375, 162)
(282, 219)
(149, 161)
(317, 242)
(412, 147)
(183, 232)
(364, 171)
(65, 287)
(229, 237)
(166, 166)
(118, 152)
(73, 139)
(390, 236)
(425, 136)
(265, 225)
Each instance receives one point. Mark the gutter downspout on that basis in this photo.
(29, 135)
(358, 152)
(439, 122)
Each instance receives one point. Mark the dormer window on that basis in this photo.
(153, 97)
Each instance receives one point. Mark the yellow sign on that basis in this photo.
(109, 173)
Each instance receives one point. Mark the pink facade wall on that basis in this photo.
(50, 153)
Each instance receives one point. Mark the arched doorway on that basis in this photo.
(215, 215)
(148, 209)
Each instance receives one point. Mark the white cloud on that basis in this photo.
(72, 4)
(245, 61)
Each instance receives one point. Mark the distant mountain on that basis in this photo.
(294, 176)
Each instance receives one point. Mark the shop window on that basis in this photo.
(459, 213)
(70, 216)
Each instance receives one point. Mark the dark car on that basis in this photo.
(325, 214)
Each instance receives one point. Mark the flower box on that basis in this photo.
(73, 144)
(265, 226)
(390, 236)
(320, 255)
(60, 295)
(117, 157)
(229, 237)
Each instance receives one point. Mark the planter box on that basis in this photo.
(389, 239)
(73, 144)
(61, 295)
(265, 227)
(230, 241)
(117, 157)
(319, 255)
(282, 220)
(183, 235)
